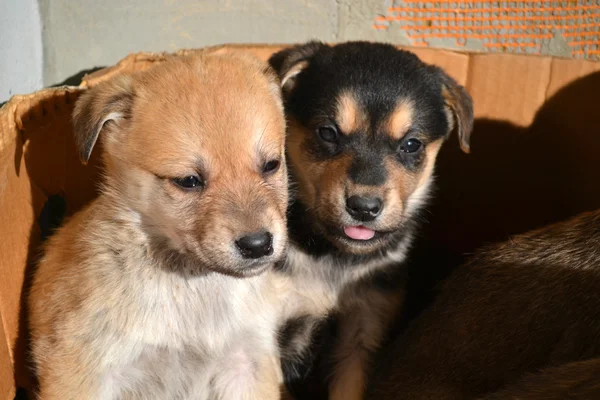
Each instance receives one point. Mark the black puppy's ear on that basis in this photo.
(103, 107)
(460, 109)
(290, 62)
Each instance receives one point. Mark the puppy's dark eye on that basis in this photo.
(189, 182)
(411, 145)
(328, 134)
(271, 167)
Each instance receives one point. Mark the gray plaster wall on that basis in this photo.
(20, 48)
(44, 42)
(78, 35)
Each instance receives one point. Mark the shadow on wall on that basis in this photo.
(515, 179)
(75, 80)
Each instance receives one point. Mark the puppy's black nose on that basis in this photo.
(364, 208)
(255, 245)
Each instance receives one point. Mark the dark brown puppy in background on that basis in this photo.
(521, 319)
(366, 122)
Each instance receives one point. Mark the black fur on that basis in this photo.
(379, 77)
(367, 166)
(308, 238)
(304, 372)
(300, 363)
(52, 216)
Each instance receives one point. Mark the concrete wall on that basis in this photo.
(20, 48)
(88, 33)
(83, 34)
(78, 35)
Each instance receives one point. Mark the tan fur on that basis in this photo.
(350, 116)
(401, 119)
(140, 295)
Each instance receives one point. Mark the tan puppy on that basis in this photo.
(139, 296)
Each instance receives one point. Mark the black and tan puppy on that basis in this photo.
(366, 122)
(520, 320)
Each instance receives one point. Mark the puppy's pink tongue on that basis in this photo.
(359, 232)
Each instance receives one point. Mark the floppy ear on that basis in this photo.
(290, 62)
(460, 106)
(101, 108)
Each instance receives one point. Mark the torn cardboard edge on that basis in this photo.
(505, 87)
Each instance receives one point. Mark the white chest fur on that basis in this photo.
(317, 283)
(172, 334)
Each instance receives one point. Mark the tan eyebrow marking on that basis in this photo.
(401, 119)
(350, 117)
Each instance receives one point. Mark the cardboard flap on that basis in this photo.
(33, 154)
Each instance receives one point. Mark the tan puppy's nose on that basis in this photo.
(255, 245)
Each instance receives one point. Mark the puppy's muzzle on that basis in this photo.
(255, 245)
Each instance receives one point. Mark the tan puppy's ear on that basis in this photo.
(103, 107)
(290, 62)
(460, 109)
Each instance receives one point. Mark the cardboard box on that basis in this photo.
(535, 160)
